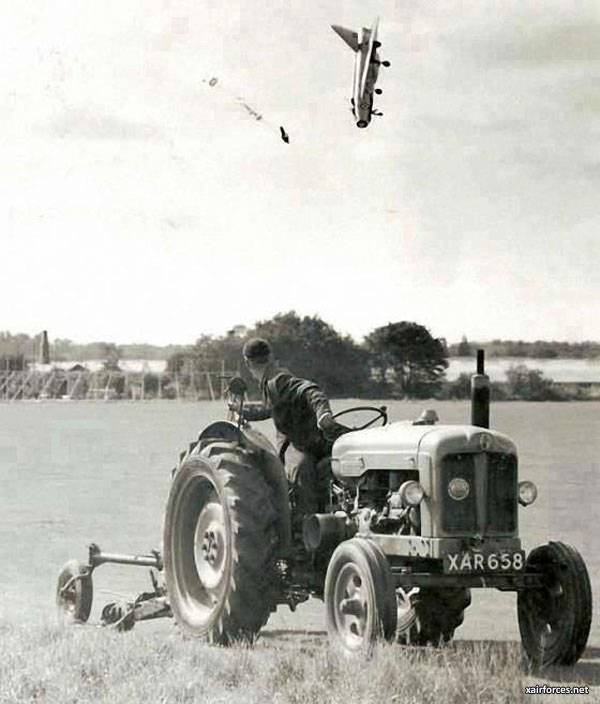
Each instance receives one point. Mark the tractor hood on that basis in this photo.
(397, 446)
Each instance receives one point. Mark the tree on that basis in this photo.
(208, 354)
(530, 384)
(460, 387)
(417, 359)
(313, 349)
(309, 346)
(110, 354)
(15, 351)
(464, 348)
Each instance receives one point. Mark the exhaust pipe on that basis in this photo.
(325, 531)
(480, 394)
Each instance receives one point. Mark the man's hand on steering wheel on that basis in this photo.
(234, 406)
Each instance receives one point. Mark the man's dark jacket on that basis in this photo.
(295, 405)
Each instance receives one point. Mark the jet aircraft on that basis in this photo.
(366, 70)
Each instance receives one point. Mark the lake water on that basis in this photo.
(557, 369)
(564, 370)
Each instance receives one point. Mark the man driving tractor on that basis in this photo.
(305, 426)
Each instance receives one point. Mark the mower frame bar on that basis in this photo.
(97, 557)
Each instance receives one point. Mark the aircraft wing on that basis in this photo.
(367, 54)
(350, 37)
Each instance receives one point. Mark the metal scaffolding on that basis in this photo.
(27, 385)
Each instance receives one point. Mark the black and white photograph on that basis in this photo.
(299, 352)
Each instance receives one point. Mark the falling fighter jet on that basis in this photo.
(366, 69)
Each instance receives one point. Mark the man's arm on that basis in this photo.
(256, 411)
(252, 410)
(287, 386)
(321, 407)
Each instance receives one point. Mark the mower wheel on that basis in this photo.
(74, 592)
(438, 613)
(219, 545)
(555, 620)
(359, 597)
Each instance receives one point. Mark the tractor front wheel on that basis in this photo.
(555, 620)
(360, 600)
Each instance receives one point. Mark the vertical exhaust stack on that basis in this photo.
(45, 348)
(480, 394)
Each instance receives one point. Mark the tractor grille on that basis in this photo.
(501, 493)
(459, 516)
(491, 505)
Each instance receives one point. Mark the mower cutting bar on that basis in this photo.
(97, 557)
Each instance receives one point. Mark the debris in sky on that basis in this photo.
(252, 112)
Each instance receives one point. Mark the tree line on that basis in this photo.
(398, 360)
(539, 349)
(401, 359)
(16, 350)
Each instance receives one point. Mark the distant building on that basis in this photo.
(578, 378)
(238, 331)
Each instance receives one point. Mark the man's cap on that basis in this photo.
(257, 350)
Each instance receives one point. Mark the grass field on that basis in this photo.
(79, 665)
(73, 473)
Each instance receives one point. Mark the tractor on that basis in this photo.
(417, 514)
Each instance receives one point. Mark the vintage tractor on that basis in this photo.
(417, 514)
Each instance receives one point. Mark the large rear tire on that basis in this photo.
(360, 600)
(555, 620)
(219, 544)
(438, 612)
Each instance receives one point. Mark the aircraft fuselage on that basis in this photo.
(366, 70)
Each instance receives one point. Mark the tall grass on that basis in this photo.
(49, 663)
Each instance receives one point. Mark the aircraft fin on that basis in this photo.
(348, 35)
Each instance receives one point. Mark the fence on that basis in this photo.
(112, 385)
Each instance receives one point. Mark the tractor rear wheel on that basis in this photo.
(555, 620)
(219, 543)
(359, 598)
(438, 612)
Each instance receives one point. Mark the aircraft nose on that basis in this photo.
(362, 123)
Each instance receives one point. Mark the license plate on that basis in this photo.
(475, 562)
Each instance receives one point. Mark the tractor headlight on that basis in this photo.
(411, 493)
(527, 493)
(458, 488)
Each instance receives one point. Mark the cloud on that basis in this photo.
(85, 124)
(578, 42)
(533, 45)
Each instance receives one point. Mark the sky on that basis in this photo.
(140, 204)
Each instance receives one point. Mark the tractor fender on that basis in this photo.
(274, 473)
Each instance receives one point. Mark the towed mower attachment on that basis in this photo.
(74, 592)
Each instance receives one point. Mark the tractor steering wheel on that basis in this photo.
(380, 414)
